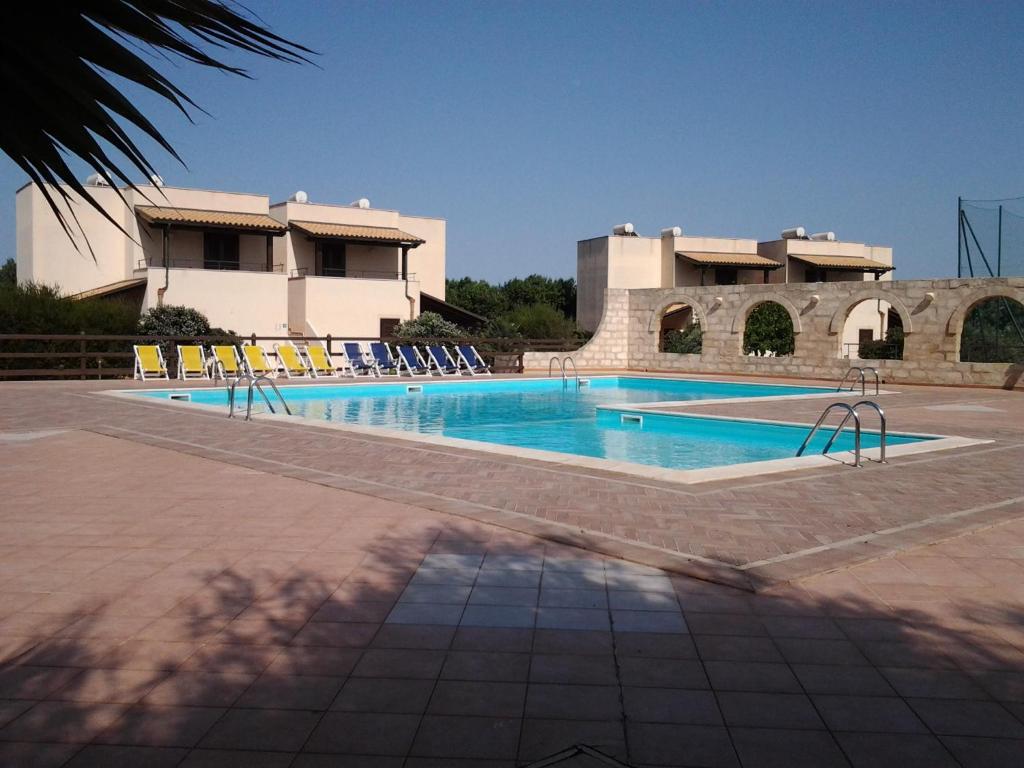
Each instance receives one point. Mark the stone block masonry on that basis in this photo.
(932, 312)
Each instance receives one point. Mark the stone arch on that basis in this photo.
(838, 320)
(677, 298)
(739, 320)
(980, 342)
(955, 323)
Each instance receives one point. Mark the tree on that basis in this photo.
(542, 321)
(993, 332)
(688, 341)
(769, 328)
(477, 296)
(429, 325)
(61, 65)
(8, 273)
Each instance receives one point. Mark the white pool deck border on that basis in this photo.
(869, 456)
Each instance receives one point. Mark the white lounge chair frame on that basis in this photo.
(307, 366)
(438, 367)
(140, 372)
(483, 369)
(218, 367)
(336, 370)
(183, 374)
(403, 363)
(365, 357)
(271, 369)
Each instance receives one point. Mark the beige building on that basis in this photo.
(624, 259)
(252, 267)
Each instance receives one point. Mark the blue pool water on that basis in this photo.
(541, 414)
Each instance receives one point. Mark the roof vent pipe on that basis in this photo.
(299, 197)
(827, 237)
(794, 233)
(624, 229)
(672, 232)
(96, 180)
(362, 202)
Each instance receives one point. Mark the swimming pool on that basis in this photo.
(596, 420)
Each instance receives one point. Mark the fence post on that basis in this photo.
(329, 351)
(81, 359)
(252, 339)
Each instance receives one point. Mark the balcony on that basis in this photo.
(351, 274)
(230, 265)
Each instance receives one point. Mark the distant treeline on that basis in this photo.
(535, 306)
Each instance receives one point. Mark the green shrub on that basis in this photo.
(541, 321)
(172, 320)
(769, 328)
(41, 310)
(685, 342)
(994, 332)
(429, 325)
(889, 349)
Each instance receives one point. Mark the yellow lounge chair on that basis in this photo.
(323, 364)
(291, 360)
(256, 361)
(192, 362)
(225, 361)
(149, 361)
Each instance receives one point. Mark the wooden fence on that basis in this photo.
(88, 356)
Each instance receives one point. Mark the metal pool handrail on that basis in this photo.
(882, 428)
(255, 384)
(861, 379)
(850, 411)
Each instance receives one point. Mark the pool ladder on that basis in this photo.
(860, 379)
(851, 412)
(254, 385)
(562, 364)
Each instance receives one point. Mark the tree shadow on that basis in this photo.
(282, 653)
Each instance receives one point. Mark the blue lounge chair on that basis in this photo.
(441, 360)
(382, 357)
(471, 362)
(411, 361)
(358, 359)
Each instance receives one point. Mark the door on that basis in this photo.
(387, 326)
(332, 259)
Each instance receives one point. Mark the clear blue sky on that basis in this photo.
(529, 126)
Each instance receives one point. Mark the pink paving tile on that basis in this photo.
(201, 689)
(261, 729)
(62, 721)
(153, 726)
(103, 756)
(366, 734)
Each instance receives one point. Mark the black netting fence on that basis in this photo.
(991, 238)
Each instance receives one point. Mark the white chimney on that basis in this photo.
(794, 233)
(623, 229)
(672, 232)
(299, 197)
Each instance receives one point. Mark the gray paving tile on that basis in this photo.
(519, 579)
(649, 621)
(574, 598)
(501, 562)
(487, 595)
(425, 613)
(498, 616)
(465, 560)
(572, 618)
(435, 593)
(643, 601)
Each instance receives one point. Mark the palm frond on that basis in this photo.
(56, 61)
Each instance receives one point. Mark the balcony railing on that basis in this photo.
(357, 274)
(178, 262)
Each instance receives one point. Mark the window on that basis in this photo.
(726, 275)
(332, 259)
(220, 250)
(865, 335)
(816, 275)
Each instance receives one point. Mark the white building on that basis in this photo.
(627, 260)
(249, 266)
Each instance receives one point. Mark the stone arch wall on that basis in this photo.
(626, 341)
(839, 317)
(682, 298)
(739, 320)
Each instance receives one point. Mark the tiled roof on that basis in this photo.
(843, 262)
(162, 214)
(750, 260)
(354, 232)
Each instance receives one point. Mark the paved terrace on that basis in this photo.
(178, 589)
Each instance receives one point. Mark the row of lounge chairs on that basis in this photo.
(227, 361)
